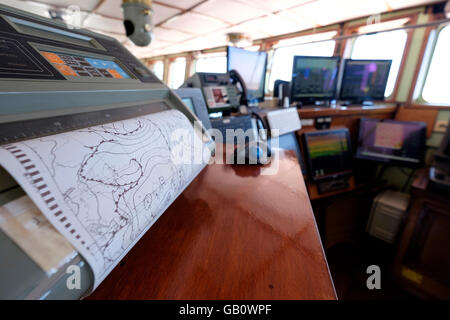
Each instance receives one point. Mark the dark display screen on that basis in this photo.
(329, 152)
(210, 78)
(251, 65)
(314, 77)
(365, 79)
(392, 141)
(188, 103)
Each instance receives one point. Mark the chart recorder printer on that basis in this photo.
(86, 161)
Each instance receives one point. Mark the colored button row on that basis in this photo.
(79, 66)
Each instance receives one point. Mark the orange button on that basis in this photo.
(65, 70)
(52, 57)
(115, 74)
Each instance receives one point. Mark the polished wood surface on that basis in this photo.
(424, 114)
(361, 111)
(387, 110)
(234, 233)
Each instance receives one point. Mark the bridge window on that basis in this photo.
(177, 72)
(283, 56)
(216, 64)
(158, 69)
(436, 89)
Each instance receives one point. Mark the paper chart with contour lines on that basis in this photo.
(103, 187)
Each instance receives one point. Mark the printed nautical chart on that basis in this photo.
(102, 187)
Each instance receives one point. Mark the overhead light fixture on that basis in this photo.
(137, 19)
(239, 39)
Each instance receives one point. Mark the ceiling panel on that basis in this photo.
(85, 5)
(149, 52)
(216, 40)
(170, 35)
(273, 5)
(36, 8)
(398, 4)
(194, 23)
(302, 22)
(159, 44)
(326, 12)
(97, 22)
(212, 20)
(229, 11)
(273, 25)
(253, 33)
(142, 52)
(121, 38)
(175, 48)
(182, 4)
(161, 13)
(111, 8)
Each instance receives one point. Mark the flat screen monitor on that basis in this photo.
(392, 142)
(329, 153)
(193, 99)
(314, 78)
(251, 65)
(364, 80)
(188, 102)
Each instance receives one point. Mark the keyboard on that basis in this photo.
(243, 122)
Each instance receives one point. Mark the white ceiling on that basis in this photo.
(186, 25)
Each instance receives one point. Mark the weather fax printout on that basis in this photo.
(103, 187)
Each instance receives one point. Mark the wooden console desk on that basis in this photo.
(232, 234)
(422, 262)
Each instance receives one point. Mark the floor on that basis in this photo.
(348, 263)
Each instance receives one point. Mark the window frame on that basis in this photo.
(354, 28)
(171, 63)
(274, 52)
(217, 54)
(420, 101)
(393, 94)
(151, 63)
(270, 47)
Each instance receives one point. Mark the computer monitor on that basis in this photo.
(392, 142)
(193, 99)
(364, 80)
(328, 153)
(251, 65)
(314, 79)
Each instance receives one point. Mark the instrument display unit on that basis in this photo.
(329, 153)
(392, 142)
(23, 35)
(193, 99)
(314, 78)
(364, 80)
(251, 65)
(38, 99)
(219, 93)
